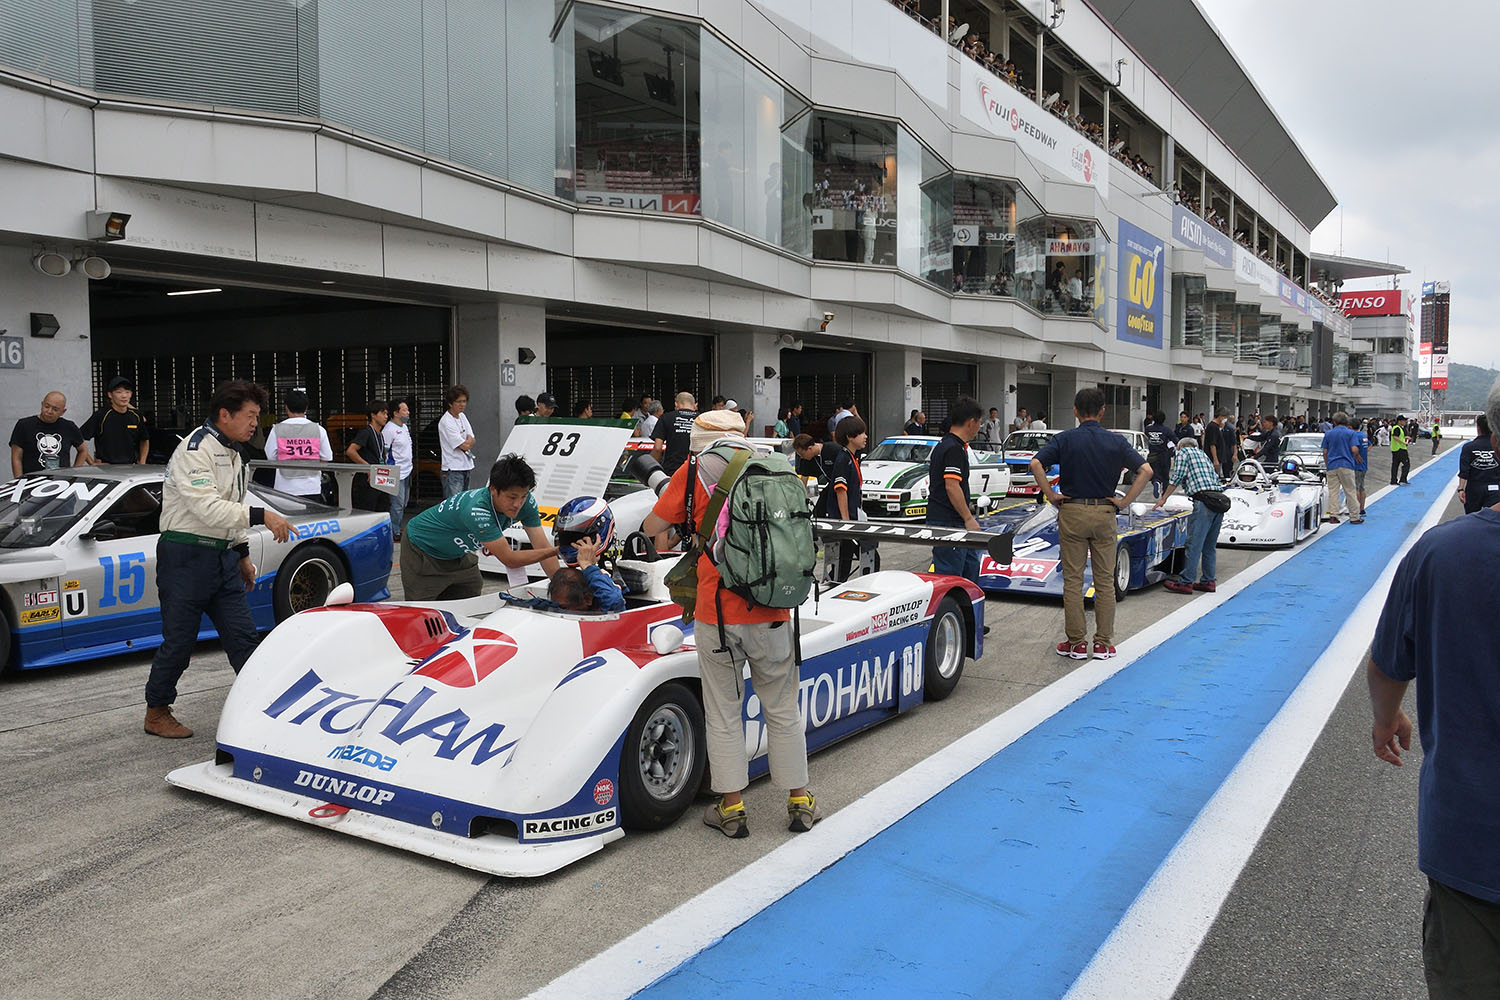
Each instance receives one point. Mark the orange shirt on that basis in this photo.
(671, 506)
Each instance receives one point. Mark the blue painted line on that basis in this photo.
(1006, 883)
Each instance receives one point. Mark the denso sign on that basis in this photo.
(1384, 302)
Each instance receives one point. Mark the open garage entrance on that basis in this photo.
(343, 351)
(943, 382)
(610, 365)
(822, 380)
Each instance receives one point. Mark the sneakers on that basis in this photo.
(731, 821)
(1077, 650)
(802, 811)
(1103, 650)
(1357, 519)
(1177, 586)
(1207, 586)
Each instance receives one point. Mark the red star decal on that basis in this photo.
(468, 660)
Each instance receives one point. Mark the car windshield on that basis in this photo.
(900, 451)
(984, 456)
(1304, 444)
(37, 510)
(1026, 441)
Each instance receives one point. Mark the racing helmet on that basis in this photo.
(582, 517)
(1291, 465)
(1248, 474)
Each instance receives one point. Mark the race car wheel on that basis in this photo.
(306, 579)
(945, 651)
(1122, 573)
(662, 763)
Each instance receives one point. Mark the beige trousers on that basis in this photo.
(1341, 480)
(769, 652)
(1088, 532)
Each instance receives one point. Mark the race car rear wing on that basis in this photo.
(384, 478)
(997, 544)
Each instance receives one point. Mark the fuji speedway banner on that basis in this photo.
(1142, 286)
(1000, 110)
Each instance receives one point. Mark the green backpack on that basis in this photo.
(765, 550)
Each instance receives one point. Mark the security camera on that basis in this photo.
(827, 318)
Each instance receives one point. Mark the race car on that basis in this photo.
(893, 478)
(1272, 509)
(1019, 449)
(516, 741)
(78, 562)
(1151, 546)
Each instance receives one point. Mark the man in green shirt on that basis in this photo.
(440, 546)
(1400, 455)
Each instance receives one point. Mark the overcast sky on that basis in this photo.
(1394, 104)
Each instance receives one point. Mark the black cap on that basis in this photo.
(120, 380)
(547, 399)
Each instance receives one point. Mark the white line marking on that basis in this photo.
(635, 962)
(1152, 947)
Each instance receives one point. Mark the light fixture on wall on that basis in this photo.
(107, 226)
(916, 383)
(788, 342)
(525, 355)
(94, 268)
(44, 325)
(1120, 65)
(51, 263)
(768, 372)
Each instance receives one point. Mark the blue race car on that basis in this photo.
(1151, 547)
(78, 562)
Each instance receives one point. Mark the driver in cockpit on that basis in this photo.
(584, 527)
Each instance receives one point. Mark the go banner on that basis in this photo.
(1142, 286)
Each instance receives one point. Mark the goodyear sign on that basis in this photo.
(1143, 286)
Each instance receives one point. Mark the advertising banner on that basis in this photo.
(1382, 302)
(1440, 369)
(1192, 232)
(1001, 110)
(1142, 286)
(1424, 362)
(1071, 248)
(1252, 269)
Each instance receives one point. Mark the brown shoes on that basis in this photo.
(160, 722)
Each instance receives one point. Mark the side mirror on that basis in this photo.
(104, 531)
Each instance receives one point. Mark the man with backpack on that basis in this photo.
(726, 499)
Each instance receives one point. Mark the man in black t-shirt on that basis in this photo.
(1159, 443)
(917, 424)
(1269, 440)
(119, 432)
(46, 441)
(368, 448)
(948, 489)
(821, 460)
(673, 433)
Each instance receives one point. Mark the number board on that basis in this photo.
(572, 458)
(12, 352)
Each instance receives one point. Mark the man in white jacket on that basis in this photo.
(203, 556)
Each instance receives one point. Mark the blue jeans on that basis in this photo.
(191, 582)
(454, 481)
(1203, 541)
(956, 562)
(398, 504)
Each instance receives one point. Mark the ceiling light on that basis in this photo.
(51, 263)
(196, 291)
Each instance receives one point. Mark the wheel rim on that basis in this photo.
(311, 584)
(665, 756)
(1122, 570)
(948, 645)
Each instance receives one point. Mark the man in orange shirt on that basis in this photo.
(758, 635)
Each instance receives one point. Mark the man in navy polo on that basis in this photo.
(1438, 628)
(948, 495)
(1091, 459)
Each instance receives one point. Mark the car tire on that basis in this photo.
(6, 644)
(943, 659)
(662, 762)
(306, 579)
(1122, 573)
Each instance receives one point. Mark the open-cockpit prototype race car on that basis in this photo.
(1151, 546)
(1267, 508)
(516, 740)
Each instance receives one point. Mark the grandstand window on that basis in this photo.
(852, 203)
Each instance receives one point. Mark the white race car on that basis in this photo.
(894, 480)
(1277, 508)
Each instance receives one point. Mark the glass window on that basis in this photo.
(636, 84)
(1219, 337)
(854, 190)
(1269, 348)
(984, 233)
(1247, 333)
(1287, 358)
(44, 38)
(1060, 265)
(755, 144)
(1187, 328)
(137, 513)
(935, 263)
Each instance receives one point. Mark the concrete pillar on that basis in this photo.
(743, 361)
(997, 379)
(490, 336)
(1065, 385)
(893, 396)
(1171, 401)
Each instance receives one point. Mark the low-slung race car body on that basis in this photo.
(1269, 509)
(894, 479)
(1150, 547)
(78, 562)
(516, 741)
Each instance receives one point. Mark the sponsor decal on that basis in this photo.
(469, 659)
(362, 755)
(72, 584)
(316, 529)
(397, 716)
(918, 511)
(347, 788)
(855, 595)
(1018, 569)
(75, 604)
(39, 599)
(1278, 513)
(857, 634)
(563, 826)
(1384, 302)
(40, 616)
(902, 615)
(604, 792)
(21, 489)
(828, 697)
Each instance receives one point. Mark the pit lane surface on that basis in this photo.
(119, 884)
